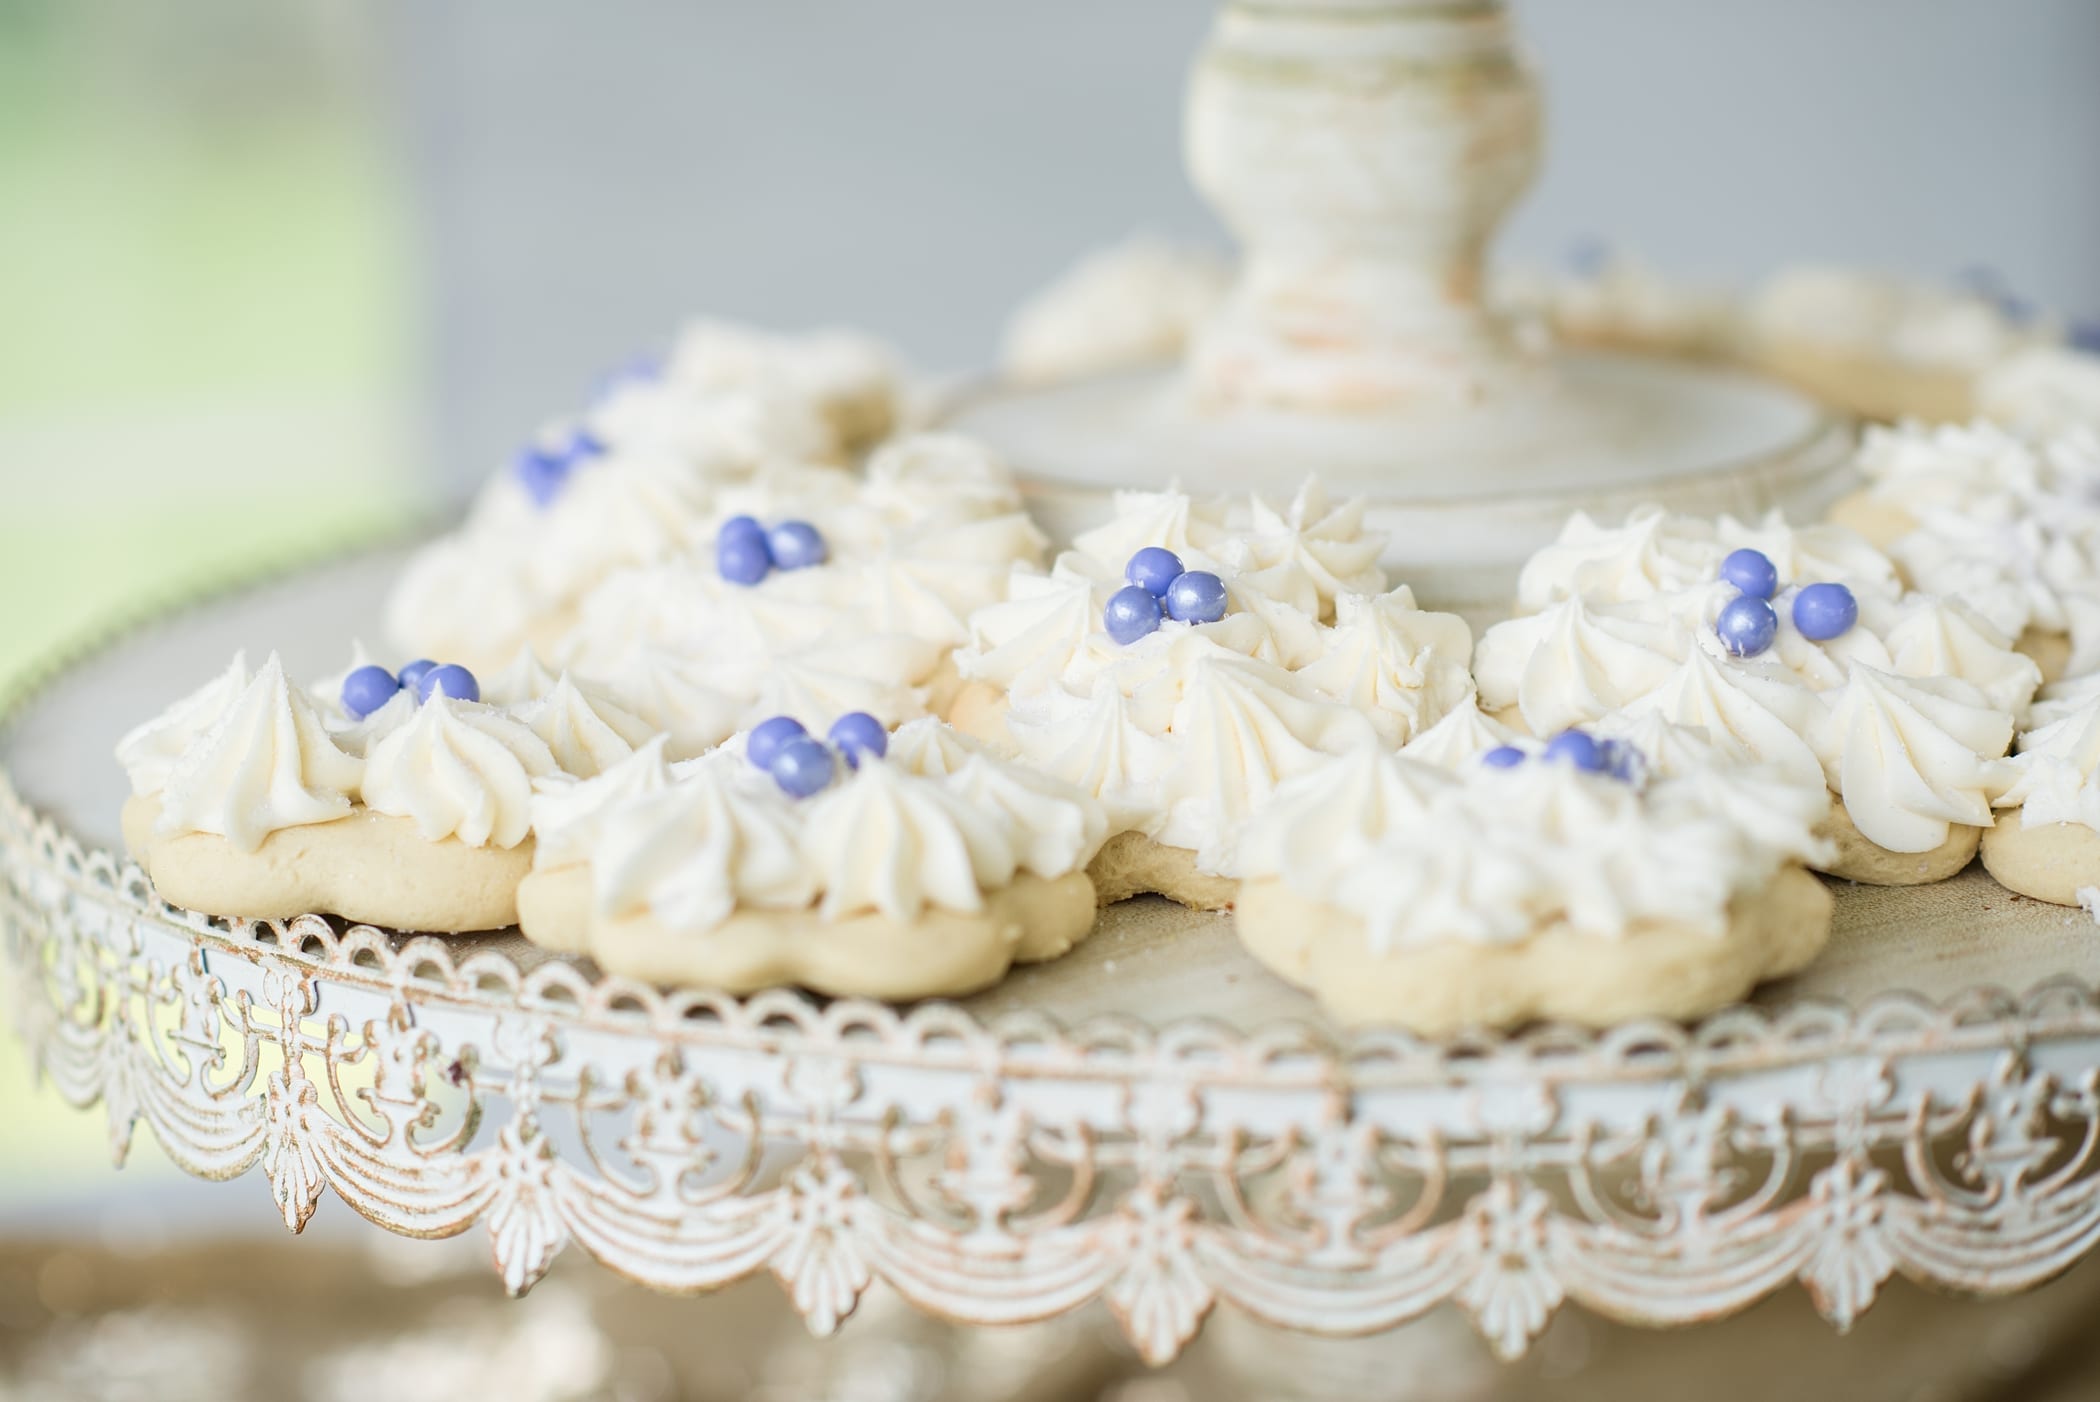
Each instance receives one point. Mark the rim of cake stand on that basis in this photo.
(1012, 1169)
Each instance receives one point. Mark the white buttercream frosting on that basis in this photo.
(1188, 729)
(938, 478)
(931, 532)
(265, 763)
(569, 813)
(1913, 756)
(1497, 855)
(2053, 777)
(524, 680)
(935, 825)
(459, 769)
(736, 422)
(1242, 728)
(1401, 666)
(676, 696)
(2044, 391)
(1463, 735)
(150, 751)
(1925, 465)
(1931, 637)
(1056, 827)
(1657, 554)
(1751, 711)
(720, 430)
(1573, 662)
(1905, 714)
(884, 841)
(1874, 314)
(720, 838)
(853, 381)
(516, 569)
(2008, 526)
(586, 731)
(2062, 698)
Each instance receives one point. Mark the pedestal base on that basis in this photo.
(1465, 493)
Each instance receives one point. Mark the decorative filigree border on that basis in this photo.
(1003, 1172)
(1008, 1172)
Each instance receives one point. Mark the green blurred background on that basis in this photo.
(205, 342)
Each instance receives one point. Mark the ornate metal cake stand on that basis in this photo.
(1151, 1122)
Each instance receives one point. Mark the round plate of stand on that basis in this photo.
(1151, 1122)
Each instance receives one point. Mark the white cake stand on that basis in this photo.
(1152, 1122)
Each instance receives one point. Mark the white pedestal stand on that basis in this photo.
(1364, 151)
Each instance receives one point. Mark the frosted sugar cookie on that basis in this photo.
(1188, 655)
(1611, 300)
(795, 589)
(406, 806)
(2044, 392)
(1903, 704)
(2008, 526)
(637, 477)
(1878, 346)
(1582, 880)
(2047, 842)
(631, 480)
(906, 866)
(856, 386)
(852, 602)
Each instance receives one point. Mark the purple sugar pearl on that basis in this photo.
(857, 733)
(1503, 757)
(768, 737)
(742, 557)
(741, 527)
(412, 675)
(1132, 612)
(802, 767)
(542, 474)
(1153, 569)
(795, 545)
(1751, 572)
(452, 681)
(367, 689)
(1578, 748)
(1623, 761)
(1746, 626)
(1196, 597)
(1825, 611)
(544, 471)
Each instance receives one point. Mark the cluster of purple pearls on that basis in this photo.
(543, 470)
(1748, 624)
(746, 552)
(366, 689)
(1160, 588)
(1577, 748)
(802, 764)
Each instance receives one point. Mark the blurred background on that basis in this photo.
(277, 272)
